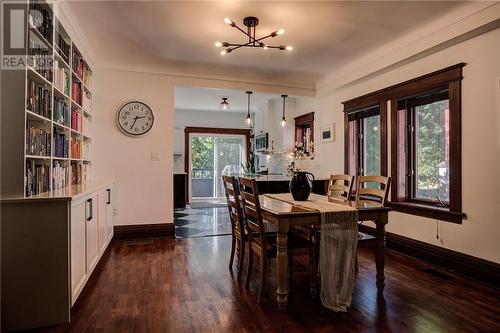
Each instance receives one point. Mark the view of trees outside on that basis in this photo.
(432, 136)
(210, 155)
(371, 145)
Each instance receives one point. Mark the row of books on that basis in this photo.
(86, 124)
(86, 102)
(76, 92)
(63, 48)
(85, 175)
(76, 121)
(76, 148)
(61, 77)
(61, 111)
(39, 99)
(78, 65)
(37, 177)
(41, 18)
(86, 150)
(61, 145)
(40, 59)
(37, 141)
(59, 172)
(87, 76)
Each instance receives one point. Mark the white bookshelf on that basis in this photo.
(16, 114)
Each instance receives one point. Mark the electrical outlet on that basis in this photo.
(155, 156)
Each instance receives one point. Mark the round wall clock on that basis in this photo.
(135, 118)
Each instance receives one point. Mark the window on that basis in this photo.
(426, 146)
(304, 130)
(365, 145)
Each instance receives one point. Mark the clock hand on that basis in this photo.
(135, 119)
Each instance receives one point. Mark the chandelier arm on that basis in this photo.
(246, 33)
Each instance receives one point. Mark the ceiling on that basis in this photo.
(209, 99)
(325, 35)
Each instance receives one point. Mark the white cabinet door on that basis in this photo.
(110, 212)
(78, 252)
(101, 220)
(92, 233)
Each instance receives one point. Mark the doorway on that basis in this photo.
(211, 153)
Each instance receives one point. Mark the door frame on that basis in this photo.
(209, 130)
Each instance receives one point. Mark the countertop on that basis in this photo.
(68, 193)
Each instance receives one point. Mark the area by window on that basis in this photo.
(364, 142)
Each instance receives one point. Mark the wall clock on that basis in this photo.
(135, 118)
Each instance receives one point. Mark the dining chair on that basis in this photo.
(237, 218)
(262, 244)
(372, 190)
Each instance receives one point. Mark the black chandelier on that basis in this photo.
(251, 23)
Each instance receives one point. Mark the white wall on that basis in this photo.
(478, 234)
(143, 187)
(197, 118)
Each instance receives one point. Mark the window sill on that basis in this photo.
(433, 212)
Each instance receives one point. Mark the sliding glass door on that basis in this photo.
(211, 156)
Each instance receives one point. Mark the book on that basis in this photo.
(37, 177)
(37, 141)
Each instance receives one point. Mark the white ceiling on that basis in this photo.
(209, 99)
(325, 35)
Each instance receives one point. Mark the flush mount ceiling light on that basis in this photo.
(251, 23)
(224, 105)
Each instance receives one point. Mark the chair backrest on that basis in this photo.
(251, 208)
(233, 199)
(377, 194)
(340, 187)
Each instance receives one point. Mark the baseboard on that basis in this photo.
(143, 231)
(482, 270)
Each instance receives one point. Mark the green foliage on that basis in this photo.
(202, 152)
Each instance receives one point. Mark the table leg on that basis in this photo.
(380, 249)
(282, 264)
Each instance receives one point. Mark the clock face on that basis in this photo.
(135, 118)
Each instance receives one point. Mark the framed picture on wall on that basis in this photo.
(328, 134)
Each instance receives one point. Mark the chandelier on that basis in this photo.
(251, 23)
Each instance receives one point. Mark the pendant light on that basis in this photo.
(224, 105)
(283, 119)
(248, 118)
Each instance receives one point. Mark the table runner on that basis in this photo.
(339, 239)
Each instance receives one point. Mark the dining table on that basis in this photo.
(285, 215)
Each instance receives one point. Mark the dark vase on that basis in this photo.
(301, 185)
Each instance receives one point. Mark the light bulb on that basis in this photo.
(228, 21)
(218, 44)
(223, 52)
(289, 48)
(249, 120)
(265, 47)
(283, 122)
(280, 32)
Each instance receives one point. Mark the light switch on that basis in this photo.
(155, 156)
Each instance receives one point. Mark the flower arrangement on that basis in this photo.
(298, 153)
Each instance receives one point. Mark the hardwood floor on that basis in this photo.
(184, 285)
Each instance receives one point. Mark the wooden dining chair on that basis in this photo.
(237, 218)
(371, 190)
(340, 187)
(262, 244)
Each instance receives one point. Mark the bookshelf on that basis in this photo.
(47, 111)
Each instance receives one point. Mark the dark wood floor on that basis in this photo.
(184, 285)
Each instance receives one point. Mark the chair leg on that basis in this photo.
(313, 272)
(231, 258)
(263, 275)
(241, 258)
(249, 266)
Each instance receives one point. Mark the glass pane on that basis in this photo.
(353, 147)
(371, 146)
(432, 153)
(229, 159)
(202, 166)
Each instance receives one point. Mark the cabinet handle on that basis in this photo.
(90, 216)
(109, 196)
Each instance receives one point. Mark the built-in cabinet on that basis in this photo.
(68, 231)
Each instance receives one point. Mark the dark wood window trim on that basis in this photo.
(355, 105)
(451, 77)
(210, 130)
(301, 123)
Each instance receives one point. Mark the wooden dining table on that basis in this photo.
(285, 215)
